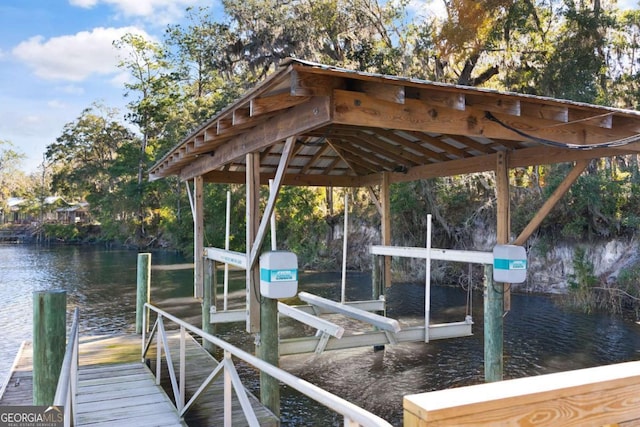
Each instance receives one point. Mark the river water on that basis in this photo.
(540, 337)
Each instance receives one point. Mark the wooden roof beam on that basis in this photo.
(321, 150)
(393, 152)
(223, 124)
(241, 115)
(441, 98)
(304, 83)
(549, 204)
(494, 104)
(591, 118)
(471, 143)
(272, 103)
(364, 157)
(332, 165)
(438, 143)
(292, 179)
(350, 161)
(519, 158)
(386, 92)
(299, 120)
(358, 109)
(557, 113)
(412, 145)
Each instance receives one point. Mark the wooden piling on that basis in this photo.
(49, 342)
(209, 300)
(143, 294)
(377, 285)
(376, 277)
(269, 352)
(493, 327)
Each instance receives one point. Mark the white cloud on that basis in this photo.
(427, 8)
(55, 103)
(628, 4)
(86, 4)
(120, 79)
(74, 57)
(71, 89)
(158, 10)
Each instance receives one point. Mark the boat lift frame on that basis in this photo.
(330, 336)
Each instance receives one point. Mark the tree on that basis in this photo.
(12, 179)
(576, 69)
(87, 160)
(147, 64)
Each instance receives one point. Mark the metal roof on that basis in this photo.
(352, 126)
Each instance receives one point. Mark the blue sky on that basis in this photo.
(56, 59)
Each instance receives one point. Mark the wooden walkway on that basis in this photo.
(116, 389)
(122, 395)
(208, 409)
(19, 385)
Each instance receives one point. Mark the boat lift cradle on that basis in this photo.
(331, 336)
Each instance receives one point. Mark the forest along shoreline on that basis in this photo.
(595, 276)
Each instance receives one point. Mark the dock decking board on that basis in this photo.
(110, 395)
(116, 389)
(19, 390)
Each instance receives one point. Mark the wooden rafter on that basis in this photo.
(382, 123)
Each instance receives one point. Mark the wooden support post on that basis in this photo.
(376, 288)
(208, 301)
(503, 202)
(497, 295)
(143, 294)
(49, 342)
(253, 219)
(268, 349)
(493, 328)
(269, 352)
(385, 201)
(198, 237)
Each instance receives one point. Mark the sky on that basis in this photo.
(57, 59)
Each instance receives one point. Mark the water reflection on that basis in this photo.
(538, 338)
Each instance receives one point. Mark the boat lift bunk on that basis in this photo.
(330, 336)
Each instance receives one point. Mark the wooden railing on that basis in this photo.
(353, 415)
(68, 379)
(607, 395)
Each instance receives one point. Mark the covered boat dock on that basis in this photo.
(310, 124)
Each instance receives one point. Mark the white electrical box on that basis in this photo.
(509, 264)
(278, 274)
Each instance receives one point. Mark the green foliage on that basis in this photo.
(577, 50)
(628, 283)
(62, 232)
(600, 204)
(12, 180)
(582, 282)
(301, 225)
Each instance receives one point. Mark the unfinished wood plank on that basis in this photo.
(303, 117)
(584, 397)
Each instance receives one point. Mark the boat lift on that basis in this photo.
(330, 336)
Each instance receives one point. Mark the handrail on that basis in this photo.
(353, 415)
(68, 379)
